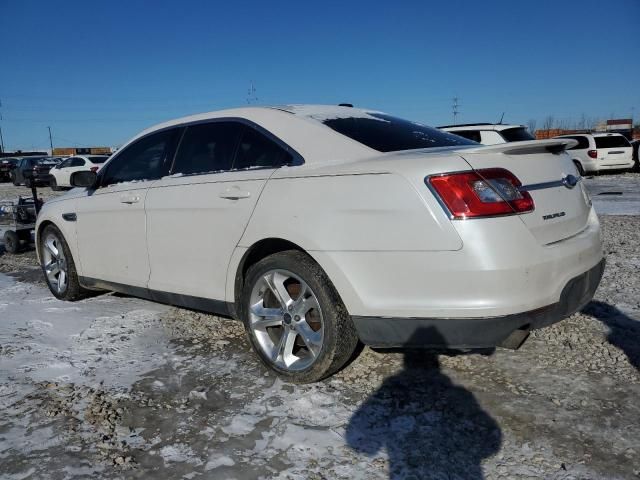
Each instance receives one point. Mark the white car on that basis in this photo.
(61, 173)
(490, 133)
(320, 226)
(600, 151)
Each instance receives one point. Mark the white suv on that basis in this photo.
(600, 151)
(490, 133)
(319, 226)
(61, 173)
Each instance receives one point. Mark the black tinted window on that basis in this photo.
(207, 148)
(389, 134)
(473, 135)
(98, 159)
(143, 160)
(583, 142)
(519, 134)
(614, 141)
(256, 150)
(77, 162)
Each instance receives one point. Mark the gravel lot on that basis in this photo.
(116, 387)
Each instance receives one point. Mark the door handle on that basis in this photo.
(129, 199)
(234, 193)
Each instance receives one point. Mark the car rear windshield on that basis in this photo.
(390, 134)
(100, 159)
(614, 141)
(518, 134)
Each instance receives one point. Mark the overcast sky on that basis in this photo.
(99, 72)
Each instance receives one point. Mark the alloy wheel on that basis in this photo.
(286, 320)
(55, 263)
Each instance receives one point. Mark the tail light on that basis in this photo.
(482, 193)
(593, 153)
(94, 169)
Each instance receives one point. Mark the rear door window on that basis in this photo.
(76, 162)
(207, 148)
(257, 151)
(613, 141)
(389, 134)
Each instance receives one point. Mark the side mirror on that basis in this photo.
(85, 179)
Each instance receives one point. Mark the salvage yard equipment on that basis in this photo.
(17, 222)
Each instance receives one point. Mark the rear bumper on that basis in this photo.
(476, 332)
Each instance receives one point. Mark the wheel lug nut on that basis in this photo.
(297, 318)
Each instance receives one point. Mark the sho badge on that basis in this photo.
(553, 215)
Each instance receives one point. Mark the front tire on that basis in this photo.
(579, 168)
(14, 180)
(295, 319)
(58, 265)
(53, 184)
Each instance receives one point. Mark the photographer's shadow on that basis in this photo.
(624, 332)
(429, 427)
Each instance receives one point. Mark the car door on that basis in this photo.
(111, 225)
(196, 217)
(76, 164)
(61, 172)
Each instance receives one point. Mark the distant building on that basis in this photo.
(67, 151)
(623, 126)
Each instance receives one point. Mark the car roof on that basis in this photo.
(482, 126)
(299, 126)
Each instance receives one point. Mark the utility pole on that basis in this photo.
(455, 109)
(50, 140)
(1, 139)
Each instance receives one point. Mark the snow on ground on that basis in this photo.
(116, 387)
(615, 194)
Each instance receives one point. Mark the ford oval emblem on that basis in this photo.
(570, 181)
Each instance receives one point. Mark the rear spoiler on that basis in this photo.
(552, 145)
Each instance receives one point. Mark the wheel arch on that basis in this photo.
(44, 224)
(243, 259)
(256, 252)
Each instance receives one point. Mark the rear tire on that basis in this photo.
(295, 319)
(58, 266)
(11, 241)
(14, 180)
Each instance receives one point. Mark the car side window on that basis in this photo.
(469, 134)
(256, 150)
(142, 160)
(64, 163)
(76, 162)
(583, 142)
(207, 148)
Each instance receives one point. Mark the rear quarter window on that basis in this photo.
(519, 134)
(583, 142)
(385, 133)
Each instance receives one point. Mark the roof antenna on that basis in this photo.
(500, 122)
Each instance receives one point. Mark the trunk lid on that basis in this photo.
(547, 173)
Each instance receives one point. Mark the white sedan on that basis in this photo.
(322, 226)
(61, 173)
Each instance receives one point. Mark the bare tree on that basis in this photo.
(582, 123)
(531, 125)
(549, 121)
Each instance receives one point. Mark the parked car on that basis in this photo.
(60, 174)
(6, 165)
(490, 133)
(26, 164)
(322, 226)
(600, 151)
